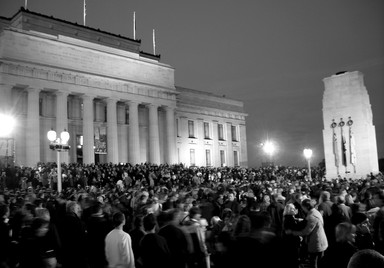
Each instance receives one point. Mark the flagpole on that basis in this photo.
(335, 147)
(154, 43)
(84, 11)
(343, 146)
(134, 25)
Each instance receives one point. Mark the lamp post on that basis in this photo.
(58, 144)
(269, 149)
(7, 125)
(308, 155)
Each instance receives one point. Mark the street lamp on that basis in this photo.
(269, 148)
(58, 144)
(7, 124)
(308, 155)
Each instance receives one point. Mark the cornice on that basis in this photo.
(86, 80)
(209, 112)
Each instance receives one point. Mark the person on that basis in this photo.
(291, 243)
(196, 238)
(97, 229)
(364, 239)
(325, 209)
(259, 247)
(338, 254)
(35, 248)
(176, 239)
(137, 233)
(5, 238)
(118, 245)
(314, 231)
(367, 258)
(153, 247)
(73, 237)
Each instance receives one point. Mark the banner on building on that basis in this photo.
(100, 140)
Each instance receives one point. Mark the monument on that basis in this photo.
(349, 134)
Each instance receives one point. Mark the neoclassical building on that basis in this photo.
(118, 103)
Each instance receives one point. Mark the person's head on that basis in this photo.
(325, 196)
(290, 209)
(340, 199)
(4, 211)
(43, 213)
(39, 227)
(149, 222)
(231, 196)
(260, 220)
(73, 207)
(307, 205)
(242, 226)
(118, 219)
(345, 232)
(366, 258)
(194, 213)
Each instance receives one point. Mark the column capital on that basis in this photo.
(33, 89)
(87, 97)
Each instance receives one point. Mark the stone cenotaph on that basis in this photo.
(349, 134)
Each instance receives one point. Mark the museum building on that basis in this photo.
(118, 103)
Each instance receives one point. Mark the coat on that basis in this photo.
(314, 232)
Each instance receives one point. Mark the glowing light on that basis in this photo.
(7, 124)
(269, 147)
(307, 153)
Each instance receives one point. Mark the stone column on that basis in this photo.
(62, 119)
(88, 130)
(112, 142)
(133, 133)
(171, 140)
(33, 128)
(154, 143)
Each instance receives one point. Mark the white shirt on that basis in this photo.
(118, 250)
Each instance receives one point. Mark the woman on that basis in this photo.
(291, 242)
(339, 254)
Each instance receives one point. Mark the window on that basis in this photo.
(234, 133)
(236, 158)
(208, 157)
(206, 131)
(222, 158)
(191, 129)
(192, 157)
(220, 129)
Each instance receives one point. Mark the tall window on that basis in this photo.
(208, 157)
(235, 158)
(222, 158)
(206, 131)
(220, 129)
(192, 157)
(191, 129)
(234, 133)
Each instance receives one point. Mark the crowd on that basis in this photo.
(189, 217)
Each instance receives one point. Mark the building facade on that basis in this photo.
(119, 104)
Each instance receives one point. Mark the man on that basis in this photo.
(73, 237)
(317, 241)
(118, 245)
(153, 247)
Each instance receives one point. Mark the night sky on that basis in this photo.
(272, 55)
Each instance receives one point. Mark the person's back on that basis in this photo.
(118, 245)
(153, 247)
